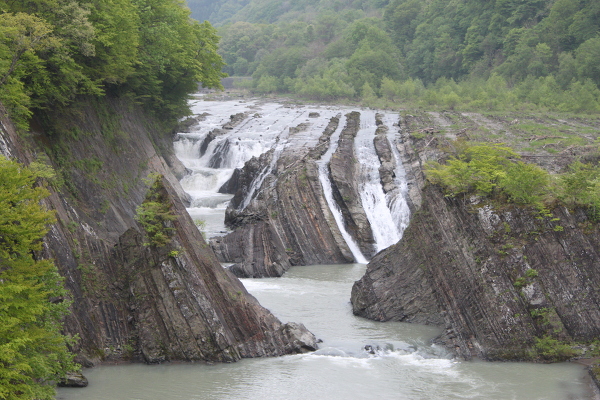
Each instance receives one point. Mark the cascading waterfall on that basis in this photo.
(257, 183)
(374, 201)
(328, 192)
(230, 150)
(396, 199)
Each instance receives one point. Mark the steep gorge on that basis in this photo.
(131, 300)
(504, 282)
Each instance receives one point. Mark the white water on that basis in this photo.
(406, 366)
(251, 138)
(374, 201)
(396, 200)
(325, 180)
(266, 128)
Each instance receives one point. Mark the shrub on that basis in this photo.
(551, 349)
(154, 214)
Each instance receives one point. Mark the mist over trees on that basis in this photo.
(459, 53)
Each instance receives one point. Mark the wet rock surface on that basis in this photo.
(496, 278)
(75, 380)
(286, 220)
(132, 300)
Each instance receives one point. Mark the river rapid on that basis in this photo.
(358, 358)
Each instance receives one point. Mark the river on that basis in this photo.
(405, 365)
(358, 358)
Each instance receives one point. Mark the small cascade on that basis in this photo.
(374, 201)
(327, 190)
(227, 150)
(396, 200)
(257, 183)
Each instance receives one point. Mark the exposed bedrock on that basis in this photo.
(280, 213)
(255, 251)
(344, 171)
(383, 147)
(495, 279)
(204, 311)
(131, 300)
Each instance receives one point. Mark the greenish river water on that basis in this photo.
(405, 365)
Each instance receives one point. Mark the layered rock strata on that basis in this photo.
(132, 300)
(289, 210)
(497, 278)
(344, 172)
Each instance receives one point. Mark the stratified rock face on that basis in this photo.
(204, 311)
(132, 300)
(384, 151)
(285, 219)
(496, 279)
(249, 250)
(344, 174)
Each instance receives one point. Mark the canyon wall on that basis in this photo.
(501, 279)
(133, 300)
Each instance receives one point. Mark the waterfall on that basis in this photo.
(374, 201)
(257, 183)
(230, 149)
(396, 200)
(328, 192)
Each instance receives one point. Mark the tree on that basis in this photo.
(175, 54)
(22, 37)
(32, 350)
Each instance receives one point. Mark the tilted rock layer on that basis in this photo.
(496, 277)
(132, 300)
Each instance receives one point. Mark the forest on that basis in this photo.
(52, 51)
(459, 54)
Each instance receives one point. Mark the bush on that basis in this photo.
(580, 187)
(487, 169)
(551, 349)
(154, 214)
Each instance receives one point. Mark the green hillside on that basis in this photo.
(460, 53)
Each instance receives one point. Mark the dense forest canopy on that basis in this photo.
(220, 12)
(53, 50)
(482, 54)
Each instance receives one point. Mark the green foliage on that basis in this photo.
(201, 225)
(580, 187)
(551, 349)
(154, 214)
(525, 183)
(32, 350)
(464, 54)
(525, 280)
(478, 169)
(531, 273)
(54, 50)
(488, 170)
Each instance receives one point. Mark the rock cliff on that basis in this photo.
(501, 279)
(132, 300)
(280, 214)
